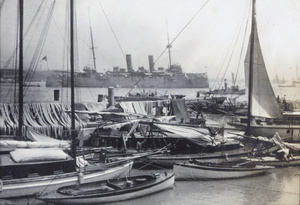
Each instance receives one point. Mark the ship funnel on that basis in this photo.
(129, 63)
(151, 64)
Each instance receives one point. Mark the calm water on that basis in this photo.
(44, 94)
(279, 187)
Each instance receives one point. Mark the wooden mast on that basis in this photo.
(250, 86)
(92, 41)
(169, 46)
(20, 105)
(73, 131)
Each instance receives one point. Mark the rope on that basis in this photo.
(235, 43)
(112, 29)
(41, 43)
(240, 58)
(30, 42)
(171, 43)
(47, 186)
(25, 34)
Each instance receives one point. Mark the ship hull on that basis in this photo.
(128, 81)
(84, 82)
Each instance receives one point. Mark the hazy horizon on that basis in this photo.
(213, 41)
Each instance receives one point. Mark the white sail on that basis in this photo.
(264, 102)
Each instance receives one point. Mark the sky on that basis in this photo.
(207, 35)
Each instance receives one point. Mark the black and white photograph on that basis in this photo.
(152, 102)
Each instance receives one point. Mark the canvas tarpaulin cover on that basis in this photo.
(180, 111)
(198, 136)
(35, 136)
(37, 155)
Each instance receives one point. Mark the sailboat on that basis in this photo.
(261, 102)
(284, 83)
(265, 117)
(296, 81)
(21, 176)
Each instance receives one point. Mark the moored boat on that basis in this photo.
(111, 190)
(173, 77)
(223, 153)
(16, 180)
(194, 171)
(287, 127)
(24, 186)
(274, 161)
(168, 160)
(264, 116)
(233, 90)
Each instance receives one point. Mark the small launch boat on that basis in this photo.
(194, 171)
(110, 190)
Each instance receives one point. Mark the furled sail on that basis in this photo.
(200, 136)
(264, 102)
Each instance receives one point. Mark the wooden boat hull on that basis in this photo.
(273, 161)
(109, 194)
(201, 172)
(17, 188)
(214, 158)
(289, 133)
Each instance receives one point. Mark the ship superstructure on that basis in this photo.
(173, 77)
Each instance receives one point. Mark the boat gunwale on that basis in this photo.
(199, 156)
(63, 175)
(229, 169)
(110, 192)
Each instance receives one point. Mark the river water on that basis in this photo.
(46, 94)
(279, 187)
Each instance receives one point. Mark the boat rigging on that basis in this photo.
(170, 44)
(92, 42)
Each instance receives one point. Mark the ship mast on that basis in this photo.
(1, 6)
(20, 106)
(169, 46)
(92, 41)
(253, 27)
(72, 63)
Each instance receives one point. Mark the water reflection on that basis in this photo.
(280, 186)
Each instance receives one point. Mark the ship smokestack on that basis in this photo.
(151, 63)
(129, 63)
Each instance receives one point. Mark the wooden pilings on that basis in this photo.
(56, 95)
(100, 98)
(111, 96)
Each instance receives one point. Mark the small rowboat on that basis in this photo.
(110, 190)
(194, 171)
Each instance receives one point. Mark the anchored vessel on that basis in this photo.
(111, 190)
(209, 172)
(264, 117)
(173, 77)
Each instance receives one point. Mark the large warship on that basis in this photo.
(173, 77)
